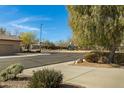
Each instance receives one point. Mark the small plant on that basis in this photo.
(11, 72)
(46, 78)
(92, 57)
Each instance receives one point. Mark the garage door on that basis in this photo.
(6, 49)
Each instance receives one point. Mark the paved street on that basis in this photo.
(40, 60)
(78, 75)
(89, 77)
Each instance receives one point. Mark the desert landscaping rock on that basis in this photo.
(14, 84)
(80, 60)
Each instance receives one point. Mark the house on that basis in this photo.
(9, 45)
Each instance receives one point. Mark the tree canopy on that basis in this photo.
(101, 26)
(3, 31)
(28, 38)
(97, 25)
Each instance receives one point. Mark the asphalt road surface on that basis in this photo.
(40, 60)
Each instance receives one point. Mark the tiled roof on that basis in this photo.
(9, 37)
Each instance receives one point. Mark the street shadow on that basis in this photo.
(4, 86)
(68, 85)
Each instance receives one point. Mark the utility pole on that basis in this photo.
(16, 32)
(40, 35)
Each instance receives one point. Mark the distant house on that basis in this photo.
(9, 45)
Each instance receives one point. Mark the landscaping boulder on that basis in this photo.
(80, 60)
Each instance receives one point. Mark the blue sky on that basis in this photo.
(28, 18)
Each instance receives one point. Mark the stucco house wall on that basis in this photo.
(9, 46)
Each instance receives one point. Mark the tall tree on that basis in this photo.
(62, 43)
(48, 44)
(28, 38)
(98, 26)
(3, 31)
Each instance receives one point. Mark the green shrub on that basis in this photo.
(92, 57)
(11, 72)
(119, 58)
(46, 78)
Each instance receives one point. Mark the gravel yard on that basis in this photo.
(18, 83)
(23, 83)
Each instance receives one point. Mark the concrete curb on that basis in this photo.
(30, 70)
(64, 51)
(25, 55)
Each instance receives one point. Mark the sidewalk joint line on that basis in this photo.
(79, 75)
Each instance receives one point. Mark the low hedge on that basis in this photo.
(94, 56)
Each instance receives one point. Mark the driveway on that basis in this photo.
(37, 60)
(90, 77)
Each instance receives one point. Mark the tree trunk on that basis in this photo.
(112, 55)
(28, 48)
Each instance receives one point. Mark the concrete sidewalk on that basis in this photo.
(87, 76)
